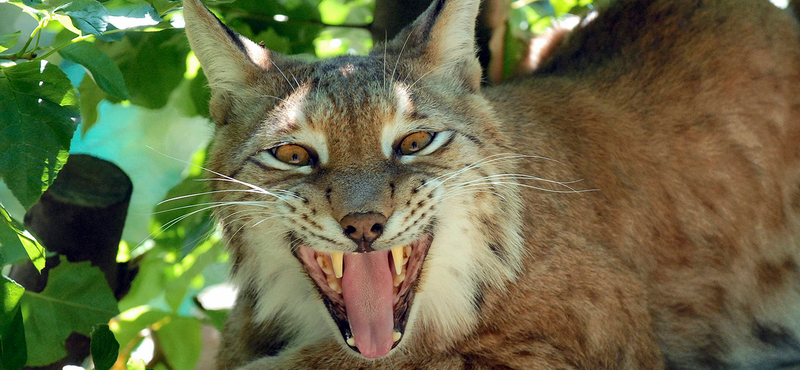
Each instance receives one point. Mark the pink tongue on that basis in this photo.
(367, 291)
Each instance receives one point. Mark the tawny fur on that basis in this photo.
(678, 247)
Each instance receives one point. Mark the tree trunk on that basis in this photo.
(80, 216)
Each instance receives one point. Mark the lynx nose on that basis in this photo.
(363, 228)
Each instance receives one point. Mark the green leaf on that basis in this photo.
(89, 16)
(135, 365)
(273, 41)
(40, 113)
(104, 346)
(91, 96)
(152, 63)
(16, 244)
(181, 342)
(101, 68)
(13, 352)
(130, 323)
(200, 93)
(126, 14)
(11, 248)
(10, 293)
(75, 299)
(8, 41)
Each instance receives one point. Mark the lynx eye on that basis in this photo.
(292, 154)
(415, 142)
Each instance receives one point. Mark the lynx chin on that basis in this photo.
(632, 203)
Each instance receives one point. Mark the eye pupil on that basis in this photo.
(415, 142)
(292, 154)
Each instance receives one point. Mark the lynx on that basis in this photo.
(631, 204)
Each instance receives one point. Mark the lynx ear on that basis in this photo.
(445, 33)
(229, 60)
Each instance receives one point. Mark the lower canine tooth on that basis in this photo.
(399, 279)
(396, 335)
(352, 342)
(397, 257)
(338, 259)
(334, 284)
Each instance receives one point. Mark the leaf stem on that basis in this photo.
(28, 43)
(55, 49)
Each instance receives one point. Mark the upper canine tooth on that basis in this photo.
(397, 257)
(396, 335)
(338, 259)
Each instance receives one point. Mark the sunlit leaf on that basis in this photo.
(135, 365)
(124, 14)
(40, 113)
(16, 244)
(75, 299)
(129, 324)
(104, 347)
(101, 68)
(89, 16)
(181, 342)
(13, 353)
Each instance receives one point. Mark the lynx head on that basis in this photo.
(364, 195)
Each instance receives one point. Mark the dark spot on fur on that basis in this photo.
(774, 335)
(238, 259)
(683, 309)
(499, 251)
(478, 300)
(790, 265)
(473, 139)
(421, 203)
(391, 186)
(328, 194)
(770, 275)
(314, 211)
(408, 203)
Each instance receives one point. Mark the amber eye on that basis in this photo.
(292, 154)
(415, 142)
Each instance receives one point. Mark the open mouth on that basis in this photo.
(369, 295)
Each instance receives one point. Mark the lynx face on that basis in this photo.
(360, 186)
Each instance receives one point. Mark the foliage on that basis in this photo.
(82, 63)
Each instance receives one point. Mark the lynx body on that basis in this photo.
(632, 204)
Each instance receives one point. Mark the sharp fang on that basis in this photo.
(399, 279)
(352, 341)
(397, 257)
(396, 335)
(338, 259)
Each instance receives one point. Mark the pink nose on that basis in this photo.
(363, 228)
